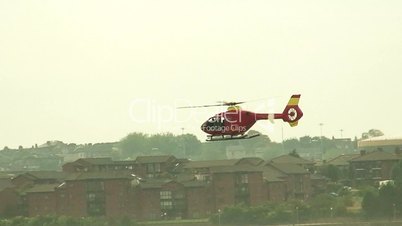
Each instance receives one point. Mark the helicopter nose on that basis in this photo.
(204, 126)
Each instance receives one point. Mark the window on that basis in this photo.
(157, 167)
(95, 186)
(360, 174)
(166, 200)
(153, 167)
(242, 179)
(150, 168)
(166, 205)
(91, 197)
(166, 195)
(178, 195)
(203, 177)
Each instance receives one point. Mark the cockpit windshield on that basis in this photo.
(216, 120)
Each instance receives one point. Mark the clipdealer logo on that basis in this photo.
(148, 111)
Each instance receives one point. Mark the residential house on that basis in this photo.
(31, 178)
(237, 185)
(275, 184)
(342, 163)
(89, 165)
(155, 166)
(298, 181)
(291, 159)
(96, 194)
(372, 167)
(41, 199)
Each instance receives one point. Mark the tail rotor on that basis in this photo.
(292, 113)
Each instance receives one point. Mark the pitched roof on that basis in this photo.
(100, 175)
(5, 183)
(154, 159)
(342, 160)
(291, 159)
(317, 176)
(95, 161)
(42, 188)
(251, 160)
(6, 175)
(154, 183)
(158, 183)
(210, 163)
(377, 156)
(124, 162)
(288, 168)
(272, 175)
(235, 169)
(43, 175)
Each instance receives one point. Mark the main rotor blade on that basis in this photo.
(203, 106)
(221, 103)
(226, 103)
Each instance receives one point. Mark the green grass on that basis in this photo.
(166, 222)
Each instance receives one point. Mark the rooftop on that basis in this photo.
(291, 159)
(342, 160)
(95, 161)
(99, 175)
(210, 163)
(377, 156)
(42, 188)
(154, 159)
(380, 141)
(288, 168)
(235, 169)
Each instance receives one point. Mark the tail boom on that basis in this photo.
(292, 113)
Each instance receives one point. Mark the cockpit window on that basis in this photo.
(212, 119)
(216, 121)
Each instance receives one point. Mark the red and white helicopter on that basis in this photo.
(235, 122)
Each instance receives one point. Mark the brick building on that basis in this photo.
(155, 187)
(298, 180)
(372, 167)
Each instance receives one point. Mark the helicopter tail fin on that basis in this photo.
(292, 113)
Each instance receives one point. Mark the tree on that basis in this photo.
(306, 141)
(190, 145)
(331, 171)
(397, 174)
(372, 133)
(291, 144)
(387, 197)
(294, 153)
(134, 144)
(370, 203)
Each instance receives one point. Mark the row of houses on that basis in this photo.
(155, 187)
(367, 168)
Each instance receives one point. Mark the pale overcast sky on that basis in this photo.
(94, 71)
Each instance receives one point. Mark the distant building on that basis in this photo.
(384, 143)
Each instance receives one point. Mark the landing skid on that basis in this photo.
(229, 137)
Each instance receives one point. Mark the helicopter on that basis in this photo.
(235, 122)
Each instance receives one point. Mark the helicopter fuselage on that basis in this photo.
(232, 122)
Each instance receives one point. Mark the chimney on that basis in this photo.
(362, 152)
